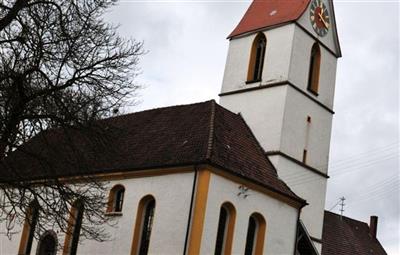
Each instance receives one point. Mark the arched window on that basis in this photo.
(74, 228)
(255, 235)
(28, 231)
(313, 74)
(226, 225)
(47, 244)
(143, 226)
(257, 58)
(116, 199)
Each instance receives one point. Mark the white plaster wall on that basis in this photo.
(281, 218)
(298, 134)
(277, 55)
(329, 38)
(276, 61)
(278, 118)
(309, 186)
(263, 111)
(10, 246)
(236, 66)
(172, 194)
(7, 246)
(300, 64)
(287, 58)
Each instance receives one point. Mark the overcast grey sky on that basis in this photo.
(185, 64)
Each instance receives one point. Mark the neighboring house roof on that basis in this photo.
(346, 236)
(267, 13)
(202, 133)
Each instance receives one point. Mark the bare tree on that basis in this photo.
(62, 68)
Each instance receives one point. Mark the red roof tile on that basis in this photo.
(202, 133)
(266, 13)
(346, 236)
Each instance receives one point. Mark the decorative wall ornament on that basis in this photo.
(243, 191)
(10, 224)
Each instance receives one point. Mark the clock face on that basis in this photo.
(319, 17)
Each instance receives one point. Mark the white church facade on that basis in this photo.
(245, 176)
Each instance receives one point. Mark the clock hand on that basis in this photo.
(323, 21)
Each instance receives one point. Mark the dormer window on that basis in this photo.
(116, 199)
(313, 75)
(257, 58)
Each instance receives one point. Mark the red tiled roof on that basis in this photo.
(202, 133)
(266, 13)
(346, 236)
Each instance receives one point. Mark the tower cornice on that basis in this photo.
(277, 84)
(312, 169)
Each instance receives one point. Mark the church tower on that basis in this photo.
(280, 75)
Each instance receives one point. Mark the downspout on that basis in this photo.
(297, 232)
(190, 210)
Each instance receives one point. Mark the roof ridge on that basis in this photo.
(155, 109)
(338, 215)
(211, 131)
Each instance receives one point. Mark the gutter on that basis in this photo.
(190, 209)
(297, 232)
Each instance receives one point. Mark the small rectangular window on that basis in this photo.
(305, 156)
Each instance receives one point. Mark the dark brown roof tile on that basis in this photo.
(172, 136)
(266, 13)
(346, 236)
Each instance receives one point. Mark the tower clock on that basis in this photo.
(319, 17)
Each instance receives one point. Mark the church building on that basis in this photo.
(247, 175)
